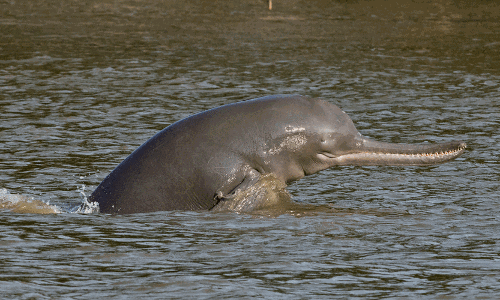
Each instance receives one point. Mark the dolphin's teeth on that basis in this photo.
(418, 155)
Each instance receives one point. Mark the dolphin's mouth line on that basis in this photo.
(437, 154)
(416, 155)
(398, 158)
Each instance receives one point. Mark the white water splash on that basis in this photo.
(86, 207)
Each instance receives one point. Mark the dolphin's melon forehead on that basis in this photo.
(325, 114)
(295, 110)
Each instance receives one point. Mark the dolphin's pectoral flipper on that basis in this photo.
(229, 200)
(252, 176)
(254, 192)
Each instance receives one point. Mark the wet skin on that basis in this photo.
(209, 157)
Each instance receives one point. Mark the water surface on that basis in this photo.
(83, 84)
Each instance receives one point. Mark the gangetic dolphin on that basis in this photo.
(203, 161)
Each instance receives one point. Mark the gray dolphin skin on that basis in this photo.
(205, 159)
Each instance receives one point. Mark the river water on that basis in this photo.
(84, 83)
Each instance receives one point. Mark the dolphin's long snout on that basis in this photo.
(370, 152)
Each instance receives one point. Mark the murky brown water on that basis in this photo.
(83, 83)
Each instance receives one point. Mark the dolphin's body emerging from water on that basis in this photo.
(201, 162)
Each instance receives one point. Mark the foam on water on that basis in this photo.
(24, 204)
(18, 203)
